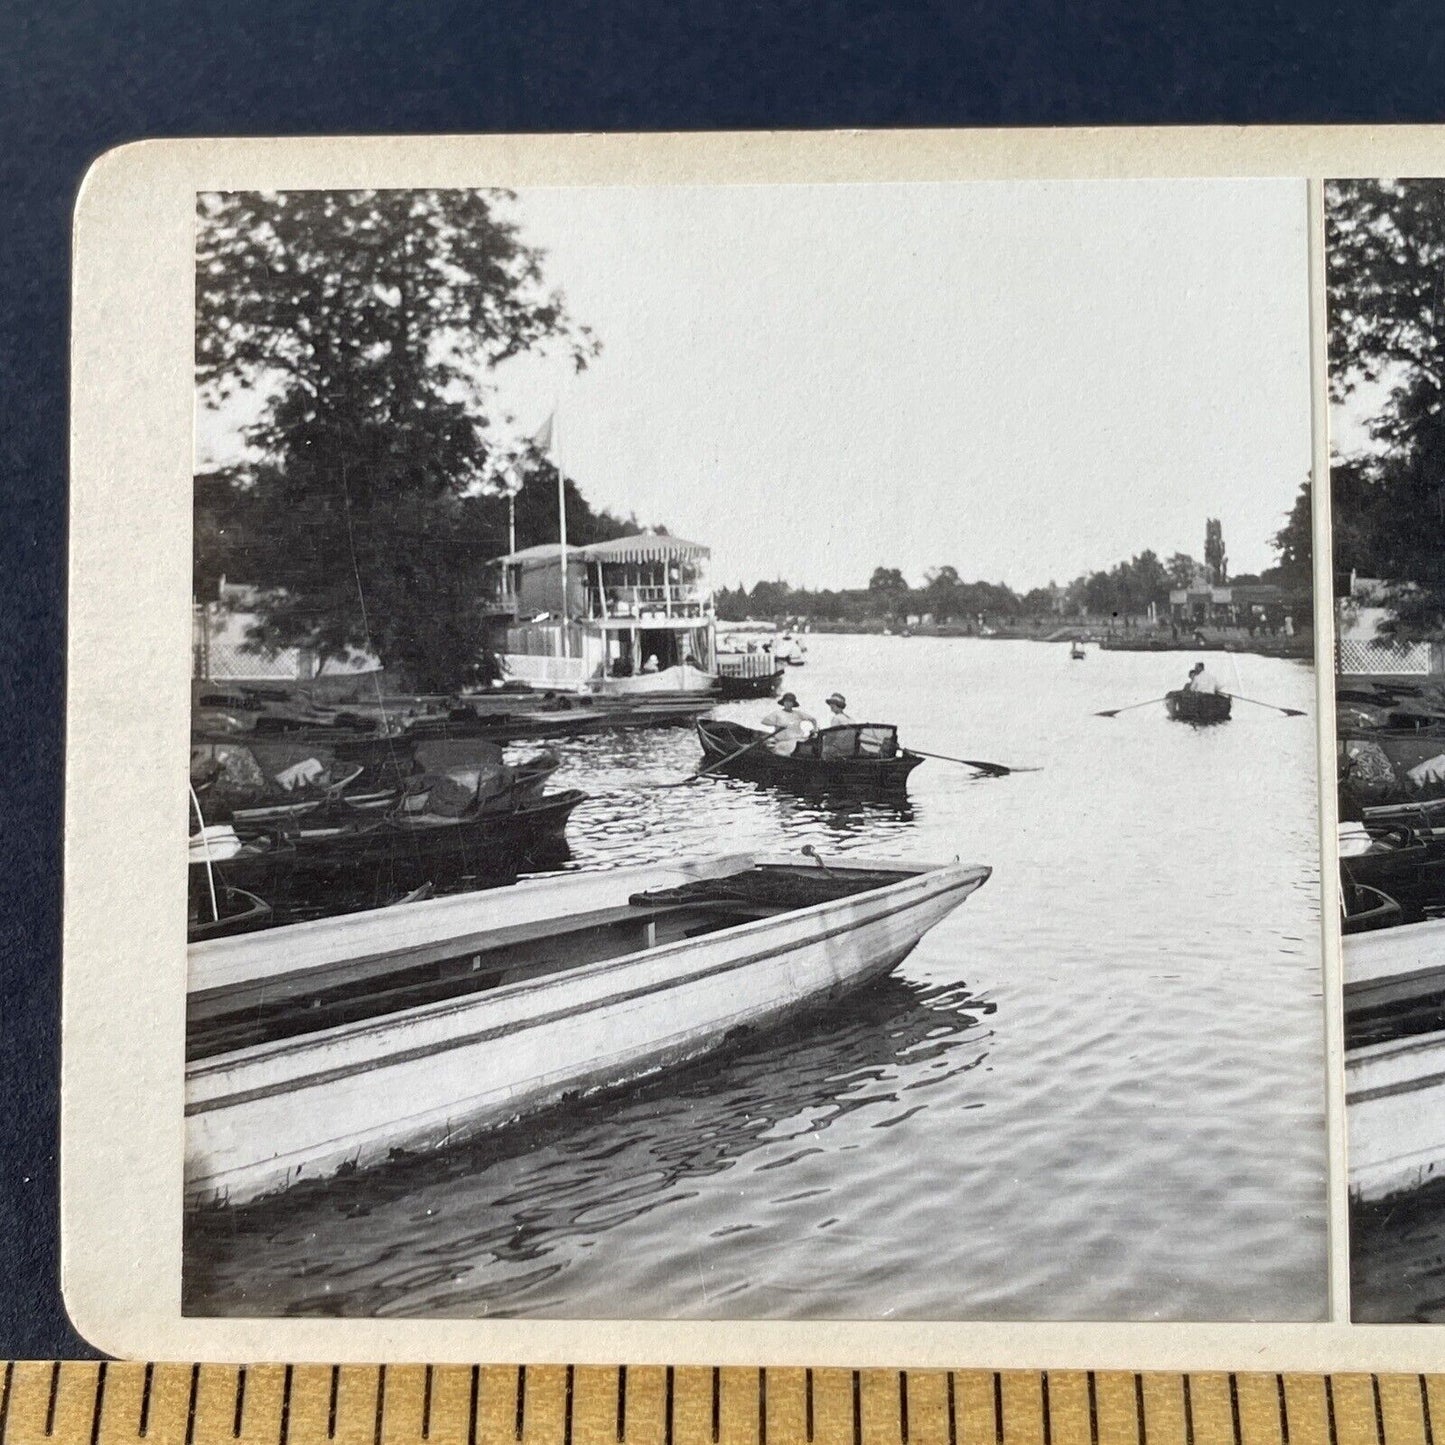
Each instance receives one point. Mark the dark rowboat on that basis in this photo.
(1197, 707)
(764, 684)
(862, 756)
(1364, 909)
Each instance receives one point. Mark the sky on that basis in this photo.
(1025, 380)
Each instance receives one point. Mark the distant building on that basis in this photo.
(1234, 604)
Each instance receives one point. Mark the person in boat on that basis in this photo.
(837, 706)
(1201, 680)
(651, 664)
(790, 725)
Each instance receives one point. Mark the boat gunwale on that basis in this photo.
(940, 880)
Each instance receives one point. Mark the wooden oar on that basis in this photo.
(722, 762)
(992, 770)
(1115, 711)
(1287, 711)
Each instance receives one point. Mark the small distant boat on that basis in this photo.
(1076, 652)
(1199, 708)
(333, 1045)
(860, 755)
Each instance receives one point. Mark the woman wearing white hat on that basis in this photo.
(837, 711)
(790, 725)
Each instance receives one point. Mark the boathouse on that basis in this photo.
(634, 614)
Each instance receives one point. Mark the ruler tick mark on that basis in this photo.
(903, 1407)
(54, 1390)
(240, 1414)
(716, 1402)
(1234, 1406)
(1425, 1411)
(520, 1423)
(1379, 1410)
(1093, 1410)
(667, 1412)
(566, 1408)
(426, 1404)
(997, 1408)
(286, 1405)
(621, 1401)
(1139, 1416)
(1189, 1415)
(1329, 1409)
(331, 1411)
(191, 1407)
(808, 1402)
(144, 1427)
(763, 1405)
(1283, 1410)
(99, 1404)
(472, 1410)
(952, 1412)
(5, 1395)
(380, 1403)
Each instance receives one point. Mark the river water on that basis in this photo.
(1096, 1091)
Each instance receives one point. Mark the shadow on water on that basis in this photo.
(504, 1214)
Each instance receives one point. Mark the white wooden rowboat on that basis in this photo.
(328, 1045)
(1395, 1086)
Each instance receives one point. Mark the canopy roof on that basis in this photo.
(543, 552)
(645, 547)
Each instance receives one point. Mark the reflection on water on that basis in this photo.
(1093, 1092)
(609, 1163)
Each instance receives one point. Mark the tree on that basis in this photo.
(1214, 555)
(940, 593)
(368, 322)
(1294, 542)
(888, 586)
(1385, 241)
(1181, 569)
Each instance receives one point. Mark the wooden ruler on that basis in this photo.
(170, 1404)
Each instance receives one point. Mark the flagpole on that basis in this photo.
(561, 527)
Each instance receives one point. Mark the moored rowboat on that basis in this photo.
(1197, 707)
(330, 1044)
(1395, 1058)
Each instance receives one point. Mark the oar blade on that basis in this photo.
(1110, 712)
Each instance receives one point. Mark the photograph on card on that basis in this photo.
(752, 753)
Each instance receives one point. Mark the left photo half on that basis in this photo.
(752, 755)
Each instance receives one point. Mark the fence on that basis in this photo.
(220, 652)
(1408, 659)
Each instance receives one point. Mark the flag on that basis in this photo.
(542, 437)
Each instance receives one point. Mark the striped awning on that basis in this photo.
(646, 547)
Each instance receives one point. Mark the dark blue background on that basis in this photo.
(77, 78)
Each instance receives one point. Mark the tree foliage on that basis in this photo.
(368, 322)
(1385, 244)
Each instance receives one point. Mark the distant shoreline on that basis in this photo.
(1301, 645)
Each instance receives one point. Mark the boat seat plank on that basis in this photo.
(308, 1005)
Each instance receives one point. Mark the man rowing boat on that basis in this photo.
(1201, 680)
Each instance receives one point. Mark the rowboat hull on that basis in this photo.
(263, 1118)
(1198, 708)
(722, 739)
(737, 687)
(1395, 1058)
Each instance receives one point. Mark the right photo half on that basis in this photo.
(1385, 263)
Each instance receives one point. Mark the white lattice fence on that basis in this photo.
(1357, 656)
